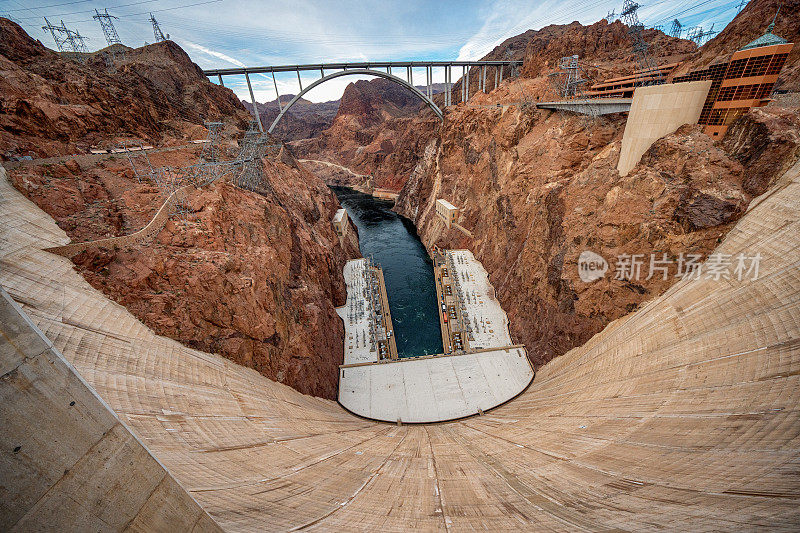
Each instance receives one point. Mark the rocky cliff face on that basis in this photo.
(303, 120)
(539, 188)
(54, 105)
(379, 130)
(251, 275)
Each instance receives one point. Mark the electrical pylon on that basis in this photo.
(108, 26)
(631, 18)
(157, 29)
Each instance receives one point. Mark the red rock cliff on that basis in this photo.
(379, 130)
(253, 275)
(53, 105)
(537, 188)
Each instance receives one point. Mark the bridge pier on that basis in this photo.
(300, 83)
(277, 94)
(429, 78)
(253, 100)
(448, 76)
(466, 88)
(220, 80)
(463, 86)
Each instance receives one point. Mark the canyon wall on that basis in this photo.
(303, 120)
(379, 130)
(253, 275)
(538, 188)
(51, 104)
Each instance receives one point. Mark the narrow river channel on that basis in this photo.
(393, 243)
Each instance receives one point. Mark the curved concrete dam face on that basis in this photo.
(684, 415)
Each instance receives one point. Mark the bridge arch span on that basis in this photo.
(360, 71)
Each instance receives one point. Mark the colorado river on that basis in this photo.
(393, 243)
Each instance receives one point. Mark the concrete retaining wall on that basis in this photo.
(657, 111)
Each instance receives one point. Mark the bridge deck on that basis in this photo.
(356, 65)
(592, 106)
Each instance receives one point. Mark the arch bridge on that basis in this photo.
(381, 69)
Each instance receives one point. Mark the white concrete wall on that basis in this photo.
(66, 461)
(434, 389)
(657, 111)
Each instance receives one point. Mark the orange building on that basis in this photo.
(623, 87)
(744, 82)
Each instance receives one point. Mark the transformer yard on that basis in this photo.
(369, 335)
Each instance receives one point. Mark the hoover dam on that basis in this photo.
(683, 414)
(579, 309)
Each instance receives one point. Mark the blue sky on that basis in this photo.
(227, 33)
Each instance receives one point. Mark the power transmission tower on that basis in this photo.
(631, 18)
(741, 6)
(568, 86)
(210, 151)
(108, 26)
(57, 33)
(676, 29)
(77, 41)
(509, 55)
(699, 35)
(707, 35)
(66, 40)
(157, 29)
(610, 15)
(659, 27)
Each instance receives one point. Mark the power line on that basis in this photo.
(128, 15)
(51, 5)
(93, 10)
(690, 8)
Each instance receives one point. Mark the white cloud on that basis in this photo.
(208, 51)
(507, 18)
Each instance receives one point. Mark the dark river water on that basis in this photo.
(393, 243)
